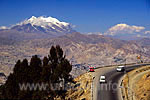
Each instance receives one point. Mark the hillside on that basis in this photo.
(79, 49)
(82, 89)
(94, 49)
(136, 84)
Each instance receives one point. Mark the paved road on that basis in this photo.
(110, 90)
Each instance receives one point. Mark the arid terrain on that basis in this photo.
(79, 49)
(82, 88)
(136, 84)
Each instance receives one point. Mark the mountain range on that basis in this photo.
(36, 35)
(36, 27)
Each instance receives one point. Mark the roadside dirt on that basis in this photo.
(82, 89)
(136, 84)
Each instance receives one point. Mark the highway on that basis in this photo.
(111, 89)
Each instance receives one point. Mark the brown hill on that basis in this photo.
(79, 48)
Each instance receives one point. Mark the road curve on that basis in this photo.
(109, 90)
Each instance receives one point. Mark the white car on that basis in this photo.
(120, 68)
(102, 79)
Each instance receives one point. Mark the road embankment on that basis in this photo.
(135, 84)
(81, 90)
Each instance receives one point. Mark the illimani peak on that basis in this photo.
(48, 25)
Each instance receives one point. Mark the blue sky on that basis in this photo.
(87, 15)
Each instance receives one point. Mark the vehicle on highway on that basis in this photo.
(102, 79)
(91, 69)
(120, 69)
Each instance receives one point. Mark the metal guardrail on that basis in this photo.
(122, 64)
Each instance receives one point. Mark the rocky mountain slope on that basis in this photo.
(96, 50)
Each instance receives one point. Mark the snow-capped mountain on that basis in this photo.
(42, 24)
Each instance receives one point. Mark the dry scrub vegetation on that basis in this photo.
(82, 88)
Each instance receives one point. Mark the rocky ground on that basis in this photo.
(136, 84)
(143, 87)
(81, 90)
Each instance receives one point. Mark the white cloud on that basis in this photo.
(123, 29)
(3, 27)
(97, 33)
(147, 32)
(141, 36)
(73, 26)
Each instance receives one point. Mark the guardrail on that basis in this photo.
(116, 65)
(122, 64)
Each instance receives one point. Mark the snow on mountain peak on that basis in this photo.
(44, 22)
(48, 25)
(32, 18)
